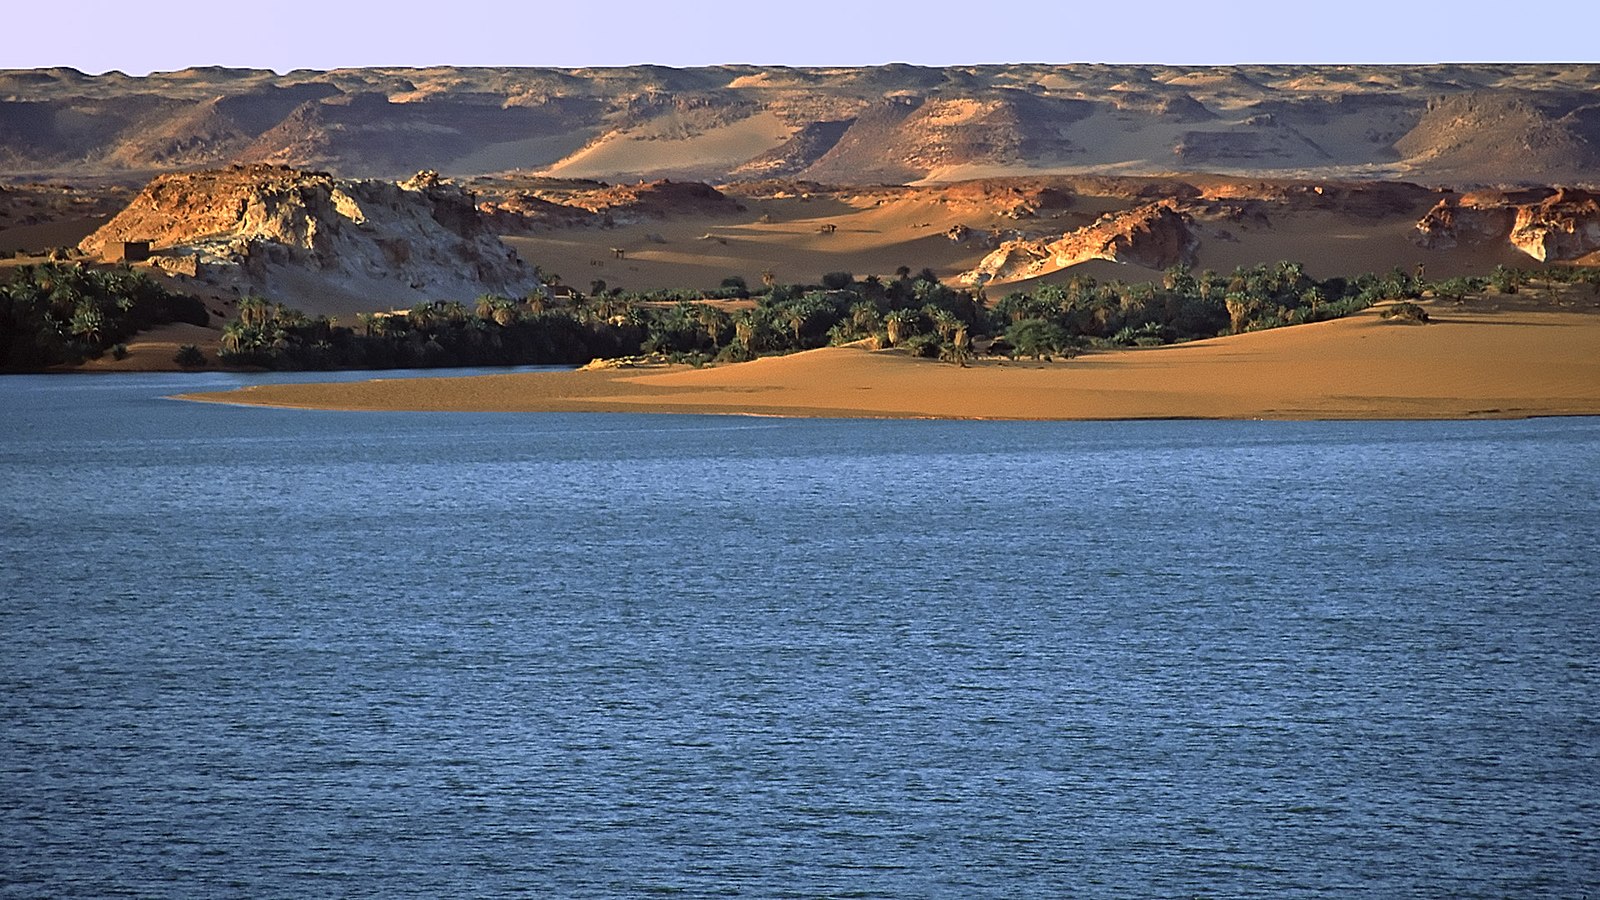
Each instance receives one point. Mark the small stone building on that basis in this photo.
(128, 251)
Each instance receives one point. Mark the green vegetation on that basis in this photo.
(1406, 311)
(612, 323)
(190, 356)
(915, 313)
(496, 331)
(62, 314)
(54, 314)
(1055, 320)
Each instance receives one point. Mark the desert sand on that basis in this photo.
(1489, 360)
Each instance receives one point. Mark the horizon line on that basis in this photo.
(139, 73)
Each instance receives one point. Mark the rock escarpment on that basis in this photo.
(512, 207)
(1558, 226)
(310, 239)
(1155, 235)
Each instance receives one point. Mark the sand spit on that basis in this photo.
(1468, 363)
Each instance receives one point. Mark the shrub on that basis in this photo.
(190, 357)
(924, 345)
(1406, 312)
(1039, 339)
(1505, 279)
(119, 352)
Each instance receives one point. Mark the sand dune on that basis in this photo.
(673, 149)
(783, 236)
(1470, 362)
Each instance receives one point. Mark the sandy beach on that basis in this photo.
(1501, 360)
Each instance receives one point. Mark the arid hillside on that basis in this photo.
(330, 244)
(1457, 125)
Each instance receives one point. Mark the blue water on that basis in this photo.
(249, 652)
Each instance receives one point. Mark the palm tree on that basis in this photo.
(899, 324)
(1239, 309)
(611, 306)
(485, 306)
(422, 316)
(390, 324)
(959, 348)
(745, 328)
(87, 323)
(1290, 275)
(63, 286)
(289, 318)
(797, 315)
(1313, 298)
(254, 311)
(505, 313)
(234, 337)
(713, 320)
(580, 307)
(1178, 280)
(864, 318)
(944, 322)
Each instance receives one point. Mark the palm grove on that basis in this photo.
(914, 312)
(56, 314)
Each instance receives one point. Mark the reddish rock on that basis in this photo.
(1548, 226)
(1156, 236)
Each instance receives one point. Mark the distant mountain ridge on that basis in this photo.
(1470, 124)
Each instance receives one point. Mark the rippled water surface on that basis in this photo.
(250, 652)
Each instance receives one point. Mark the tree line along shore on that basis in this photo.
(57, 314)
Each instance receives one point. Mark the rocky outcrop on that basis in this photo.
(1548, 226)
(1156, 236)
(656, 199)
(1564, 226)
(1012, 198)
(1452, 223)
(299, 236)
(513, 207)
(523, 212)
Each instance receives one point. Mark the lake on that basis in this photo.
(253, 652)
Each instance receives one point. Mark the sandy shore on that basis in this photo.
(1468, 363)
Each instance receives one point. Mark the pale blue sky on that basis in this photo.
(140, 37)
